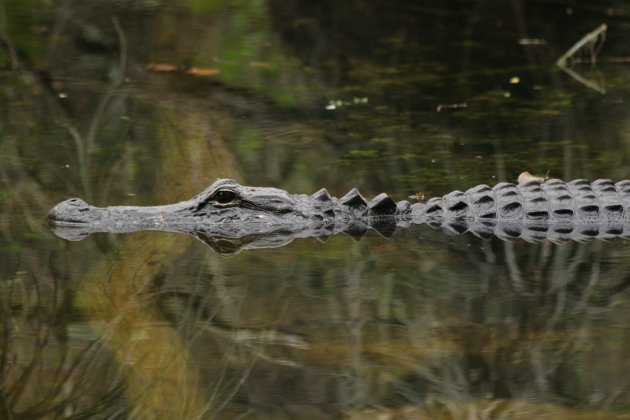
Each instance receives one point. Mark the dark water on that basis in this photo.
(145, 102)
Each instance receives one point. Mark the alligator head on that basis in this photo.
(223, 201)
(229, 213)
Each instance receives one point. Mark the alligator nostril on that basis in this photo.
(76, 202)
(73, 210)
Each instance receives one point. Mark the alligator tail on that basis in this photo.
(555, 210)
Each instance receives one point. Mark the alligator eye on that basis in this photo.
(224, 196)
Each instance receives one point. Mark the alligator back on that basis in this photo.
(535, 210)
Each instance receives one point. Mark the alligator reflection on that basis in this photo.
(216, 237)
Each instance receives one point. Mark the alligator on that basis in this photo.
(228, 216)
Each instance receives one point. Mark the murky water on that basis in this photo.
(139, 103)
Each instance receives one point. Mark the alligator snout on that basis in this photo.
(73, 210)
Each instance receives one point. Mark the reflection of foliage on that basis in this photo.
(525, 324)
(423, 323)
(50, 363)
(44, 371)
(14, 15)
(435, 335)
(490, 409)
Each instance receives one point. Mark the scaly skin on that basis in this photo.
(578, 210)
(228, 213)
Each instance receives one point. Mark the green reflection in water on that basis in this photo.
(158, 372)
(424, 324)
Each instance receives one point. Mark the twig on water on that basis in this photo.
(592, 43)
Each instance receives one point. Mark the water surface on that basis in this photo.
(139, 103)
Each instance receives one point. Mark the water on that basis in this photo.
(139, 103)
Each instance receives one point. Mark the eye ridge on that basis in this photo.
(224, 196)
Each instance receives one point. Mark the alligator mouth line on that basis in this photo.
(253, 206)
(67, 222)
